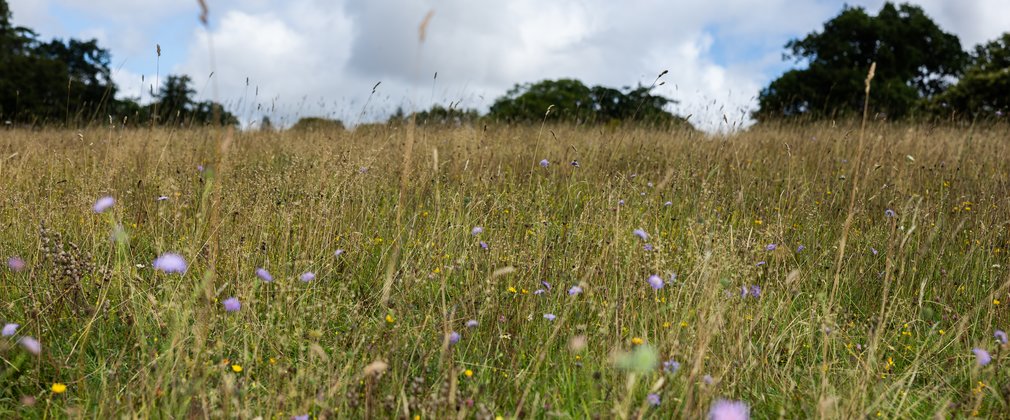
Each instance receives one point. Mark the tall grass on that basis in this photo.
(126, 339)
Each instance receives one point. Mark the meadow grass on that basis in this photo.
(893, 337)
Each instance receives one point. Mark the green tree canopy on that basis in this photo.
(915, 60)
(984, 91)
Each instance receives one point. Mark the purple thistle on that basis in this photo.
(655, 282)
(550, 317)
(232, 304)
(889, 213)
(471, 323)
(671, 366)
(544, 163)
(103, 204)
(729, 410)
(16, 264)
(483, 245)
(170, 263)
(307, 276)
(1000, 336)
(653, 400)
(771, 247)
(9, 329)
(477, 230)
(800, 248)
(641, 234)
(981, 356)
(453, 338)
(31, 344)
(575, 290)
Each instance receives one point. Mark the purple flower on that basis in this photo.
(546, 284)
(981, 356)
(477, 230)
(264, 275)
(653, 400)
(620, 202)
(671, 366)
(307, 276)
(655, 282)
(30, 344)
(9, 329)
(549, 317)
(771, 247)
(729, 410)
(889, 213)
(575, 290)
(199, 168)
(648, 247)
(163, 198)
(641, 234)
(707, 379)
(16, 264)
(873, 250)
(232, 304)
(300, 417)
(363, 169)
(668, 204)
(170, 263)
(755, 291)
(544, 163)
(539, 291)
(800, 248)
(483, 245)
(453, 338)
(575, 163)
(103, 204)
(760, 263)
(471, 323)
(1000, 336)
(338, 252)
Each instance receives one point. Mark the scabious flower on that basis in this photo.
(264, 275)
(641, 234)
(199, 168)
(483, 245)
(889, 213)
(653, 400)
(873, 250)
(453, 338)
(162, 198)
(544, 163)
(729, 410)
(1000, 336)
(549, 317)
(671, 366)
(477, 230)
(32, 345)
(755, 291)
(338, 252)
(471, 323)
(981, 356)
(620, 202)
(232, 304)
(760, 263)
(16, 264)
(668, 204)
(771, 247)
(103, 204)
(539, 292)
(655, 282)
(170, 263)
(9, 329)
(575, 290)
(648, 247)
(800, 248)
(307, 276)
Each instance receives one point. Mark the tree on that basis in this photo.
(176, 105)
(318, 124)
(437, 115)
(915, 59)
(984, 91)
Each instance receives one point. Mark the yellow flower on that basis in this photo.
(995, 301)
(758, 222)
(236, 368)
(637, 341)
(942, 332)
(683, 324)
(512, 289)
(468, 373)
(59, 388)
(390, 319)
(666, 324)
(273, 361)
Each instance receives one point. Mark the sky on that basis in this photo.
(287, 59)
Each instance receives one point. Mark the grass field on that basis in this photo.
(803, 273)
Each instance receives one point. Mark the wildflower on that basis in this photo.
(641, 234)
(300, 417)
(236, 368)
(232, 304)
(199, 168)
(873, 250)
(771, 247)
(637, 341)
(103, 204)
(981, 356)
(483, 245)
(162, 198)
(549, 317)
(468, 373)
(453, 338)
(31, 344)
(648, 247)
(729, 410)
(59, 388)
(575, 163)
(653, 400)
(471, 323)
(9, 329)
(708, 380)
(889, 213)
(264, 275)
(16, 264)
(656, 282)
(575, 290)
(999, 334)
(170, 263)
(539, 292)
(544, 163)
(307, 276)
(760, 263)
(338, 252)
(390, 319)
(668, 204)
(476, 230)
(671, 366)
(800, 248)
(755, 291)
(620, 202)
(363, 169)
(995, 301)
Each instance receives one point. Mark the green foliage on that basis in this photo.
(438, 115)
(984, 91)
(318, 124)
(569, 100)
(915, 60)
